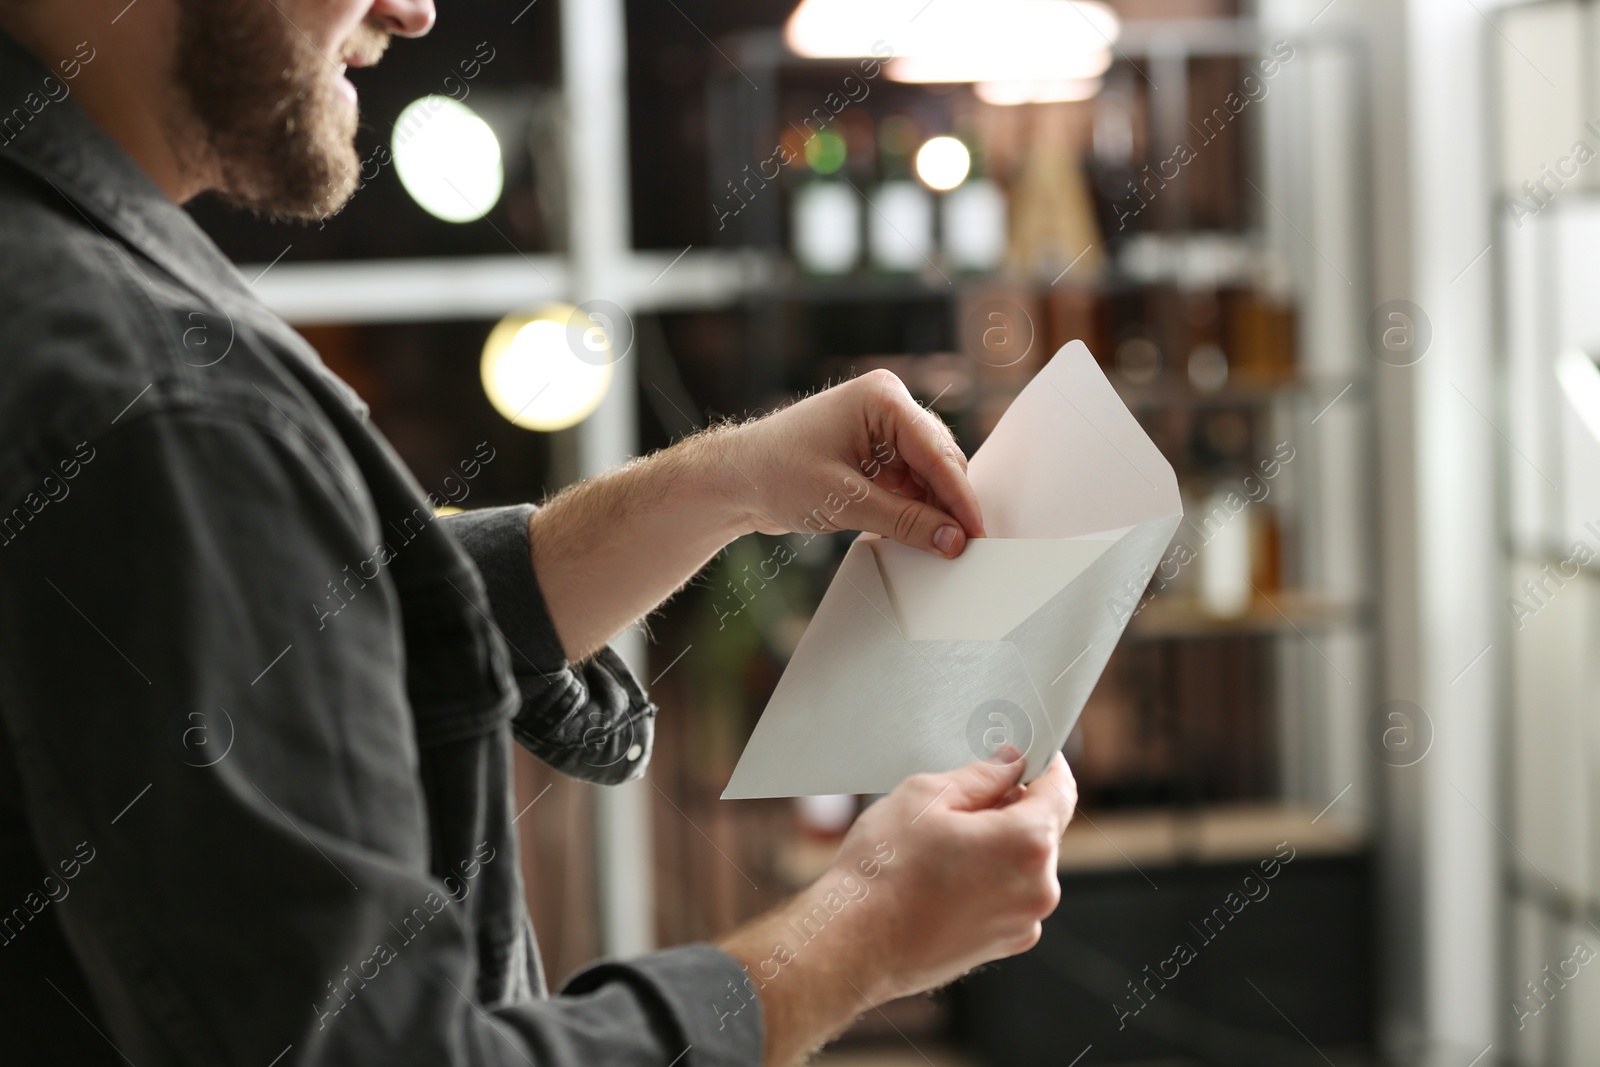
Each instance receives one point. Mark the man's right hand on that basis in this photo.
(973, 872)
(947, 872)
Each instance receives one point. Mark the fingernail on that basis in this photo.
(944, 538)
(1007, 754)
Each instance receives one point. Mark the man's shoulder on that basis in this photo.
(66, 286)
(49, 247)
(87, 323)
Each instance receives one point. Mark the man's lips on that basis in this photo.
(345, 86)
(364, 52)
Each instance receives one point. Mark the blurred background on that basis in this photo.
(1338, 256)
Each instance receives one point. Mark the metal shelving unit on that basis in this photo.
(1310, 176)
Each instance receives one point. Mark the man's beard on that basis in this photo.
(278, 133)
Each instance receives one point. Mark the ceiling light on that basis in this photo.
(943, 163)
(448, 159)
(534, 377)
(1050, 91)
(1008, 61)
(961, 40)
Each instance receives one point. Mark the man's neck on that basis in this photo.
(144, 114)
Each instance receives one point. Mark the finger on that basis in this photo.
(909, 521)
(898, 478)
(985, 783)
(929, 449)
(1054, 792)
(921, 440)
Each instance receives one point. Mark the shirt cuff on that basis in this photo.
(591, 720)
(707, 994)
(497, 541)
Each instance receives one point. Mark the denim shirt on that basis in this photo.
(256, 702)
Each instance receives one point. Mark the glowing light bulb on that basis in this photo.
(535, 374)
(1046, 91)
(448, 159)
(962, 40)
(943, 163)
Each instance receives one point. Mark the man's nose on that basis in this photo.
(404, 18)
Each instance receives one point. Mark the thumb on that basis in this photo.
(985, 783)
(911, 522)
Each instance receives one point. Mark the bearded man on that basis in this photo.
(238, 831)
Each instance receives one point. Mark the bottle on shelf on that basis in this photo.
(973, 219)
(1055, 236)
(1260, 336)
(900, 217)
(1225, 558)
(827, 227)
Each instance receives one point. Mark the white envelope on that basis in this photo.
(915, 663)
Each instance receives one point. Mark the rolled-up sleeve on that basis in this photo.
(191, 686)
(590, 720)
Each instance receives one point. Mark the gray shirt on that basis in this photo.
(256, 703)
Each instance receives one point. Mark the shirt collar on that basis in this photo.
(61, 145)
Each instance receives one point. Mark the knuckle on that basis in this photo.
(1030, 938)
(1047, 896)
(905, 524)
(883, 378)
(923, 788)
(1037, 849)
(1036, 845)
(1069, 794)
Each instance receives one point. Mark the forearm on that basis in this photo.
(610, 549)
(861, 456)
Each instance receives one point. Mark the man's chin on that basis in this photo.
(297, 191)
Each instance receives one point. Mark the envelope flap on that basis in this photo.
(860, 706)
(985, 592)
(1068, 458)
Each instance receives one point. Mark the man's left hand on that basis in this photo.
(859, 456)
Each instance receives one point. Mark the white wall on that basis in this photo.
(1441, 561)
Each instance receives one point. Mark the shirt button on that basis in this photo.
(635, 752)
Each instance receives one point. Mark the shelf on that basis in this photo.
(1169, 618)
(866, 285)
(453, 287)
(1236, 393)
(487, 287)
(1244, 833)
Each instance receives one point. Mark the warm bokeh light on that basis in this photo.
(943, 163)
(535, 378)
(448, 159)
(1054, 91)
(985, 61)
(962, 40)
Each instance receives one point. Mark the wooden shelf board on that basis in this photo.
(1286, 611)
(1242, 833)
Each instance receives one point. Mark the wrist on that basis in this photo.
(816, 963)
(720, 476)
(860, 929)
